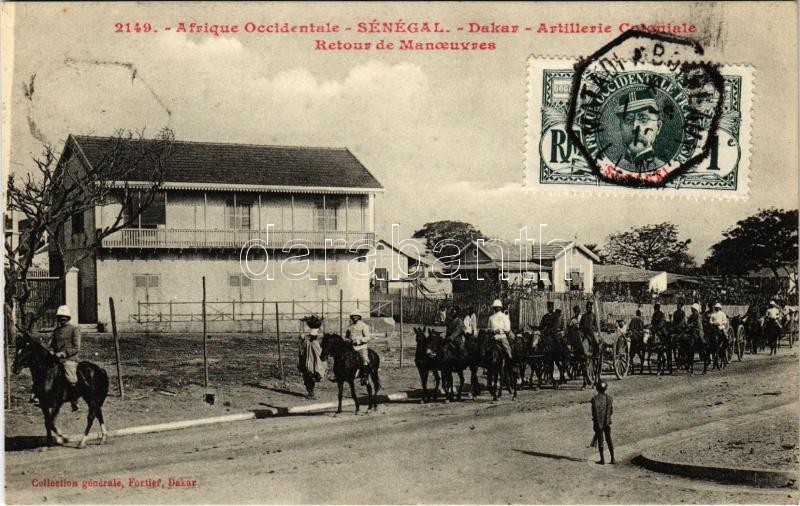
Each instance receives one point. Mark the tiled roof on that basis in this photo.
(247, 164)
(514, 252)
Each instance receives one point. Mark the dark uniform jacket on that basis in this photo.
(602, 409)
(678, 319)
(557, 323)
(696, 327)
(588, 326)
(68, 340)
(455, 328)
(636, 325)
(657, 321)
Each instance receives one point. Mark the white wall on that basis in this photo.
(577, 260)
(180, 280)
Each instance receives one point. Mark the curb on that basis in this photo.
(237, 417)
(738, 475)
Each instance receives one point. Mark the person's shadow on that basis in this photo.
(22, 443)
(550, 456)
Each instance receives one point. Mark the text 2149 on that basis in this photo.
(133, 27)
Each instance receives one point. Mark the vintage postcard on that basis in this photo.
(400, 252)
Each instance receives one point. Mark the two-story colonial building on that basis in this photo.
(214, 199)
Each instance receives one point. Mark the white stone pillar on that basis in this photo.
(71, 292)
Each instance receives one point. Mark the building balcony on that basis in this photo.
(182, 238)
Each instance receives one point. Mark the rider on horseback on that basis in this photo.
(500, 326)
(774, 313)
(719, 321)
(66, 345)
(588, 325)
(358, 335)
(455, 329)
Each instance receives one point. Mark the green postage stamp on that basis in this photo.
(639, 131)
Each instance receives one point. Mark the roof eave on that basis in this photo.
(175, 185)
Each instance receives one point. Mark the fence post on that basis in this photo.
(233, 312)
(341, 312)
(116, 345)
(401, 331)
(262, 316)
(139, 303)
(278, 331)
(170, 314)
(205, 338)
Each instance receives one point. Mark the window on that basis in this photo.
(147, 288)
(238, 213)
(152, 216)
(379, 247)
(381, 273)
(332, 281)
(241, 287)
(77, 223)
(325, 216)
(576, 281)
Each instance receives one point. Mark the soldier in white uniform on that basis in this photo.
(774, 312)
(500, 326)
(358, 334)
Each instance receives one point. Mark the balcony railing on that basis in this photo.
(196, 238)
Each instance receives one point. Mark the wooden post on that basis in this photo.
(262, 316)
(341, 312)
(205, 338)
(278, 331)
(233, 308)
(116, 346)
(9, 332)
(401, 331)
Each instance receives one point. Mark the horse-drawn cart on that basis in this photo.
(613, 355)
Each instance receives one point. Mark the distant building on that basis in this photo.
(559, 266)
(634, 279)
(408, 268)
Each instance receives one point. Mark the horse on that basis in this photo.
(772, 333)
(52, 389)
(583, 352)
(639, 348)
(425, 364)
(753, 331)
(346, 364)
(499, 370)
(555, 352)
(448, 359)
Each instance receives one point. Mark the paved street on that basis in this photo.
(471, 452)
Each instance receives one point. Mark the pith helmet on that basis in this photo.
(497, 303)
(696, 307)
(773, 303)
(64, 311)
(717, 306)
(356, 314)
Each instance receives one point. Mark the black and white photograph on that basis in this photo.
(400, 252)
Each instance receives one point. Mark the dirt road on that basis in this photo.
(527, 451)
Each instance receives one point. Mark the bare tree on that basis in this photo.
(59, 188)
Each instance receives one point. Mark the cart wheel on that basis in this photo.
(740, 342)
(621, 358)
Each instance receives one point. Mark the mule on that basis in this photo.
(425, 365)
(448, 359)
(346, 365)
(52, 388)
(500, 371)
(772, 333)
(583, 353)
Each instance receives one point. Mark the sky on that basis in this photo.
(443, 132)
